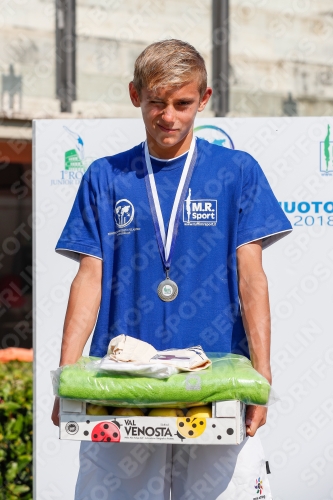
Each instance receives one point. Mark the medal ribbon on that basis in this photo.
(166, 242)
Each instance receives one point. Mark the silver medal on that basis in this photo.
(167, 290)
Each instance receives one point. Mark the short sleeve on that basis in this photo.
(260, 214)
(80, 234)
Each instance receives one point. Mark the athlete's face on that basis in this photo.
(168, 114)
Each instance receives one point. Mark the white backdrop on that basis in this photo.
(297, 156)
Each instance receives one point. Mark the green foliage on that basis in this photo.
(16, 431)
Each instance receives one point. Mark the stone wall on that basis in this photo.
(276, 49)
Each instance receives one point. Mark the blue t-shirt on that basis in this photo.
(229, 203)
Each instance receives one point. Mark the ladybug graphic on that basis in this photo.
(106, 432)
(190, 427)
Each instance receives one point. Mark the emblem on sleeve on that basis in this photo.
(199, 212)
(123, 213)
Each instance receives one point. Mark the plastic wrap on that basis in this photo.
(230, 376)
(156, 370)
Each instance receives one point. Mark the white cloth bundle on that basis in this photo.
(129, 349)
(136, 357)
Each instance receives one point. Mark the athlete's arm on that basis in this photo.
(253, 293)
(83, 304)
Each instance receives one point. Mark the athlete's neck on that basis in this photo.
(168, 152)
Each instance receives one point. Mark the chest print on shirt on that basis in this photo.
(201, 212)
(123, 214)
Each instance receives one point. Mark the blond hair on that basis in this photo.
(169, 63)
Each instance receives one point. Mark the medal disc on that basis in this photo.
(167, 290)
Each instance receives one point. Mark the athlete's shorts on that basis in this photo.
(121, 471)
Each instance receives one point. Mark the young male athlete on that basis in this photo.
(169, 236)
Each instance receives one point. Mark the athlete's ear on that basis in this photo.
(205, 98)
(134, 95)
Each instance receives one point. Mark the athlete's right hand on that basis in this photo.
(55, 412)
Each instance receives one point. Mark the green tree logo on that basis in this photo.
(327, 147)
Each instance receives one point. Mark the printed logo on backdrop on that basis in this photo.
(123, 214)
(202, 212)
(75, 161)
(214, 135)
(309, 213)
(326, 154)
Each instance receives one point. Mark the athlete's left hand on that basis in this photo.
(255, 417)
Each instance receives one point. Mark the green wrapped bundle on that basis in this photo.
(230, 376)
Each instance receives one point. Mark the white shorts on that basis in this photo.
(121, 471)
